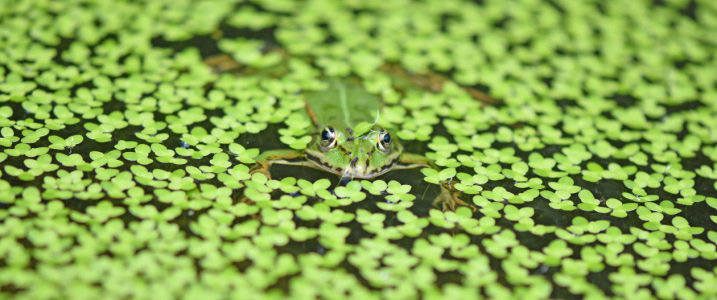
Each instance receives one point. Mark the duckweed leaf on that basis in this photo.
(243, 155)
(437, 177)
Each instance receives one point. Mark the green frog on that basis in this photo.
(346, 144)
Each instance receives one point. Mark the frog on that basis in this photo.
(340, 147)
(348, 143)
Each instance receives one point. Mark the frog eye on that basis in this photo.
(328, 138)
(384, 141)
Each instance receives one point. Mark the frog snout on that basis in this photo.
(357, 168)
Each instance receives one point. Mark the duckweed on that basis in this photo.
(578, 137)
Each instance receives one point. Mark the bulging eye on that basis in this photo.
(328, 138)
(384, 141)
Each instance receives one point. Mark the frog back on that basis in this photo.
(343, 105)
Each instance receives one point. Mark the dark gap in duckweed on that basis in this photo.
(114, 104)
(263, 141)
(695, 215)
(264, 34)
(206, 44)
(188, 216)
(546, 215)
(602, 280)
(502, 22)
(532, 241)
(624, 100)
(702, 185)
(414, 146)
(280, 171)
(561, 292)
(686, 106)
(443, 278)
(690, 10)
(691, 263)
(444, 20)
(602, 190)
(565, 103)
(33, 261)
(351, 269)
(17, 110)
(549, 150)
(282, 283)
(61, 47)
(682, 63)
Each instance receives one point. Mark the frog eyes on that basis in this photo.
(384, 141)
(328, 138)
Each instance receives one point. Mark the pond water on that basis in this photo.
(576, 143)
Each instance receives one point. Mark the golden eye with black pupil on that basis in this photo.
(328, 139)
(384, 141)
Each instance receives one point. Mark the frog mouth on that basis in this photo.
(357, 172)
(355, 169)
(352, 171)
